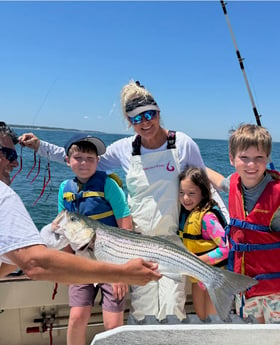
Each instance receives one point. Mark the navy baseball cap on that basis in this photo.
(100, 146)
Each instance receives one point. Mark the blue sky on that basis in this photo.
(63, 64)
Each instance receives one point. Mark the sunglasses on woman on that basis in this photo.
(149, 115)
(10, 154)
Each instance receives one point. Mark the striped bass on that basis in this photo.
(117, 245)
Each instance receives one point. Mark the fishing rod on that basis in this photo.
(240, 60)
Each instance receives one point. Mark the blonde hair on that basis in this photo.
(135, 91)
(247, 135)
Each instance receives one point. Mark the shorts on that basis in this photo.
(261, 306)
(85, 295)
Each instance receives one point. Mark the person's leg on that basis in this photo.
(112, 308)
(77, 325)
(202, 302)
(112, 320)
(198, 297)
(209, 306)
(81, 298)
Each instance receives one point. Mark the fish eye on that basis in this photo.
(72, 218)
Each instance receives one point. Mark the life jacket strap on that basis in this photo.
(189, 236)
(102, 215)
(249, 247)
(69, 196)
(275, 275)
(248, 226)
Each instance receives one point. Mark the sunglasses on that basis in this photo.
(149, 115)
(10, 154)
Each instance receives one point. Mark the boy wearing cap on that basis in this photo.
(94, 194)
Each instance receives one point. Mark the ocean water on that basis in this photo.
(214, 153)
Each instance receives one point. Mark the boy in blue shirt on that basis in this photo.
(94, 194)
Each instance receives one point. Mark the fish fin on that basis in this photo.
(223, 294)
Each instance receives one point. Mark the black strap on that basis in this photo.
(136, 144)
(171, 140)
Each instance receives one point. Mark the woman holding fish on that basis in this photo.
(152, 160)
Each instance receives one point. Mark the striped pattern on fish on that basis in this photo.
(174, 261)
(118, 245)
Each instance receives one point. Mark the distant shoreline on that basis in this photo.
(84, 130)
(53, 128)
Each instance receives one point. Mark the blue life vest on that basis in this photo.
(88, 199)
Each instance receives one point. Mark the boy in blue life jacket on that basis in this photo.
(94, 194)
(254, 228)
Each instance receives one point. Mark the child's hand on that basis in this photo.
(119, 290)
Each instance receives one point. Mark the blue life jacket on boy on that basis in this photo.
(90, 200)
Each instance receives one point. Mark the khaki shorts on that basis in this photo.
(261, 306)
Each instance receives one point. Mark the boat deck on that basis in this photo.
(30, 314)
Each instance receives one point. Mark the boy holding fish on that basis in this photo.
(254, 228)
(94, 194)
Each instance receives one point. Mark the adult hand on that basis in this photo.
(51, 239)
(140, 272)
(119, 290)
(29, 140)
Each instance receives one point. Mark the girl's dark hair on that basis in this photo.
(199, 177)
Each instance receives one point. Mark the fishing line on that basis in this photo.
(48, 178)
(240, 60)
(44, 100)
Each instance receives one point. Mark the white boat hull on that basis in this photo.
(29, 315)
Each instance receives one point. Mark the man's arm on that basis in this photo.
(41, 263)
(43, 148)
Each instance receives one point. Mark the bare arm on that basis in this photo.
(43, 148)
(215, 178)
(41, 263)
(125, 223)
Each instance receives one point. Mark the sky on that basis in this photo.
(63, 64)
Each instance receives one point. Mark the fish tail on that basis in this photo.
(223, 294)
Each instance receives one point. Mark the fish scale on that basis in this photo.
(110, 247)
(117, 245)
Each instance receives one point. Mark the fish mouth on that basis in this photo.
(89, 245)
